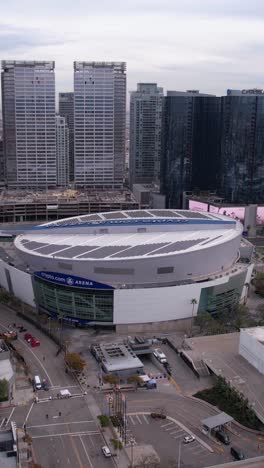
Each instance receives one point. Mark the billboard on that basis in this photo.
(197, 206)
(70, 280)
(236, 212)
(260, 215)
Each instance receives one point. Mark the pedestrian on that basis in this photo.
(43, 358)
(47, 416)
(59, 413)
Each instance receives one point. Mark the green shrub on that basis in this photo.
(104, 420)
(114, 421)
(117, 444)
(231, 401)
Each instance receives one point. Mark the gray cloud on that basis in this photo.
(14, 39)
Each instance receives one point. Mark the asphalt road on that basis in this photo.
(71, 439)
(190, 413)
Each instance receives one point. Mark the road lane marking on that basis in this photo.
(178, 388)
(76, 452)
(29, 411)
(86, 453)
(147, 421)
(132, 420)
(10, 416)
(180, 436)
(60, 424)
(139, 420)
(72, 434)
(167, 424)
(29, 349)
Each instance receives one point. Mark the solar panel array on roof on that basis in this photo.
(165, 214)
(139, 214)
(32, 245)
(77, 250)
(69, 222)
(104, 251)
(93, 217)
(211, 240)
(117, 215)
(49, 249)
(190, 214)
(138, 250)
(177, 246)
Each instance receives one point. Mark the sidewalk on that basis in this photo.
(121, 460)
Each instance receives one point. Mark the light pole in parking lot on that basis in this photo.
(179, 455)
(132, 443)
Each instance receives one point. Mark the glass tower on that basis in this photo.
(28, 102)
(145, 133)
(66, 109)
(242, 146)
(62, 149)
(190, 144)
(99, 124)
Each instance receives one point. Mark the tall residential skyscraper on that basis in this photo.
(66, 109)
(28, 101)
(99, 123)
(2, 162)
(242, 146)
(145, 133)
(190, 144)
(62, 150)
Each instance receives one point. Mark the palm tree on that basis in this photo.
(193, 302)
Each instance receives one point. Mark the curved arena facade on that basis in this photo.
(135, 268)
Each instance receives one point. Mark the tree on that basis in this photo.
(5, 296)
(135, 379)
(193, 302)
(75, 362)
(3, 390)
(111, 379)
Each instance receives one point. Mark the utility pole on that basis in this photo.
(179, 455)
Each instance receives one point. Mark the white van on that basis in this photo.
(37, 383)
(158, 353)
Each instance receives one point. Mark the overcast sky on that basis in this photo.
(209, 45)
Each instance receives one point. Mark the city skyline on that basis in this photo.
(170, 44)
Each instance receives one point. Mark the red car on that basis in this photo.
(28, 336)
(34, 343)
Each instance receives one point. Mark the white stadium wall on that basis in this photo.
(251, 349)
(158, 304)
(21, 283)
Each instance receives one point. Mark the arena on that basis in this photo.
(134, 270)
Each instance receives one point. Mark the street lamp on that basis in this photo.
(110, 403)
(179, 455)
(132, 443)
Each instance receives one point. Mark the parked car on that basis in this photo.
(223, 437)
(158, 353)
(34, 343)
(168, 368)
(45, 385)
(237, 453)
(106, 451)
(158, 415)
(188, 439)
(28, 336)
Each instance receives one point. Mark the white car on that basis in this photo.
(106, 451)
(188, 439)
(158, 353)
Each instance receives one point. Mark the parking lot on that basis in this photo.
(167, 438)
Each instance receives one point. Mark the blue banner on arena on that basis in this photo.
(69, 280)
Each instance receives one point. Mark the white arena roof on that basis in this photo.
(128, 234)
